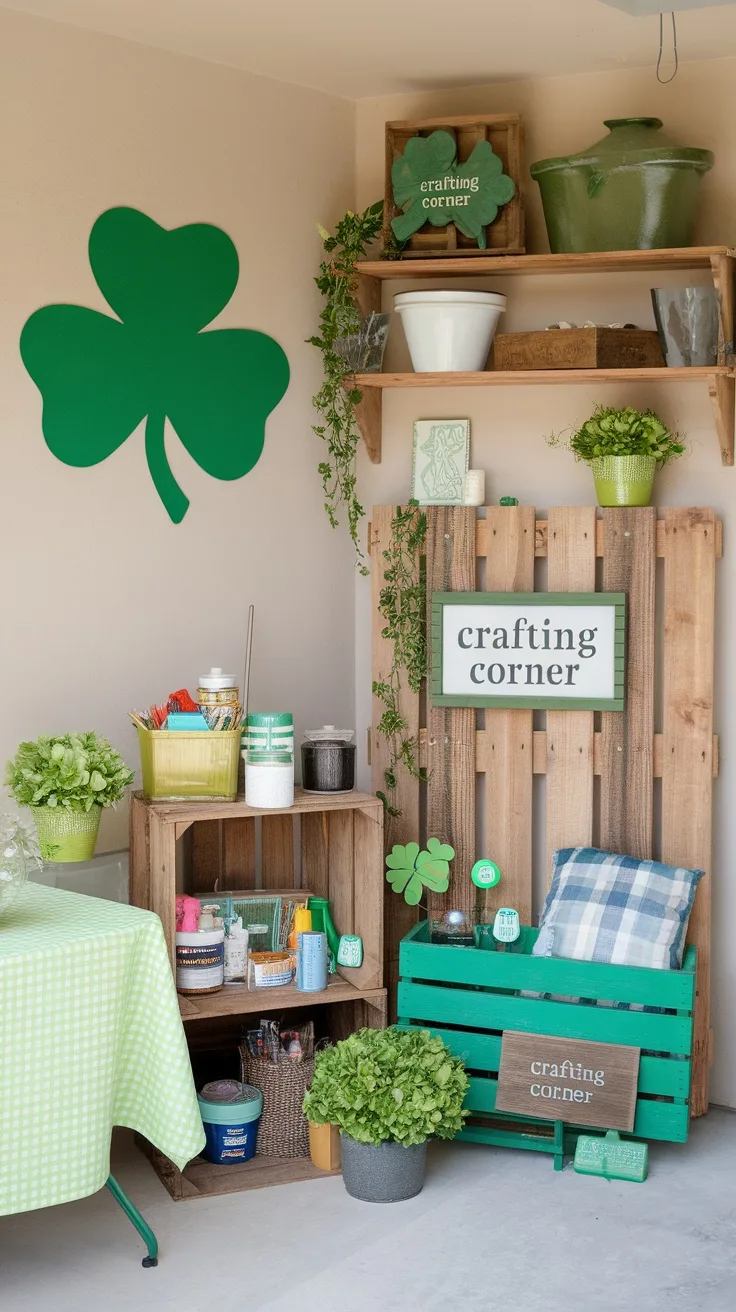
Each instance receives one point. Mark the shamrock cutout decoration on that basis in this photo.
(411, 870)
(100, 376)
(430, 186)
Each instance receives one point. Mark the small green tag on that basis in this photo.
(350, 950)
(485, 874)
(611, 1157)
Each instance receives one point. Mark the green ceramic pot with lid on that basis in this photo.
(636, 189)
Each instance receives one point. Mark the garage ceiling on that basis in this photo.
(383, 46)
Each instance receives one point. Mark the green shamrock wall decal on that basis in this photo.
(410, 871)
(431, 187)
(100, 376)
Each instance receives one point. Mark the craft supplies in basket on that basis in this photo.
(189, 765)
(283, 1129)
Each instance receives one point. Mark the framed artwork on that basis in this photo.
(440, 461)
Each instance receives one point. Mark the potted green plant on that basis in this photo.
(388, 1091)
(66, 781)
(623, 449)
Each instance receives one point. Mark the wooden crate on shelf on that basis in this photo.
(329, 845)
(579, 348)
(505, 133)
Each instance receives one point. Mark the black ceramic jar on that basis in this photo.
(328, 760)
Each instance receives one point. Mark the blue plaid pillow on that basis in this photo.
(616, 909)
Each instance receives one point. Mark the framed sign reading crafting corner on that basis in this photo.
(546, 650)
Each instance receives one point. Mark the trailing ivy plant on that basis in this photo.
(335, 401)
(402, 606)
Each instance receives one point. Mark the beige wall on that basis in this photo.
(508, 425)
(106, 603)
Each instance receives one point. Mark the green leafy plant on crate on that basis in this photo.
(336, 402)
(410, 870)
(402, 1086)
(402, 605)
(627, 432)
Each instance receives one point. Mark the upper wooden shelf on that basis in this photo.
(686, 257)
(719, 261)
(544, 377)
(184, 813)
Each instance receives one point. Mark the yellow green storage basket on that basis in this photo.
(197, 765)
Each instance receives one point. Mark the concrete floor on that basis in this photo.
(492, 1229)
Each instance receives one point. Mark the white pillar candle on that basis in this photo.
(475, 487)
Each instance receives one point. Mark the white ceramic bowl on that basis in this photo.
(449, 332)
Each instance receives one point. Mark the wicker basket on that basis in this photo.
(283, 1130)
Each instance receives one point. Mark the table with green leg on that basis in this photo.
(90, 1038)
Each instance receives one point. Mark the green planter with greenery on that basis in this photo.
(389, 1092)
(624, 449)
(66, 781)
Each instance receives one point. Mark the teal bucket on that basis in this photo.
(230, 1115)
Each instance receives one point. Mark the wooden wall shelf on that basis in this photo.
(720, 380)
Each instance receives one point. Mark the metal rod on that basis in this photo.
(248, 651)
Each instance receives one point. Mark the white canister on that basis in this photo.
(200, 961)
(474, 492)
(449, 331)
(269, 780)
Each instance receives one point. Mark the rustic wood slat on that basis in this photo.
(339, 862)
(540, 547)
(368, 898)
(398, 916)
(539, 752)
(162, 849)
(277, 851)
(451, 731)
(510, 540)
(238, 853)
(315, 849)
(545, 377)
(627, 756)
(139, 880)
(571, 554)
(206, 857)
(687, 770)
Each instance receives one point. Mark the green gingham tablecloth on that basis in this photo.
(90, 1037)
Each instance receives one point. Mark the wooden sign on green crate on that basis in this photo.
(430, 186)
(551, 650)
(573, 1080)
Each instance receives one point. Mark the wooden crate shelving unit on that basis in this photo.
(197, 847)
(720, 379)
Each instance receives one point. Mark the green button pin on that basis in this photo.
(485, 874)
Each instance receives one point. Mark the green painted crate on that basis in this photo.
(469, 996)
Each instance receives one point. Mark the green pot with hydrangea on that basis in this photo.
(66, 782)
(624, 449)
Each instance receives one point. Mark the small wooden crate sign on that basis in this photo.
(568, 1079)
(505, 236)
(578, 348)
(471, 997)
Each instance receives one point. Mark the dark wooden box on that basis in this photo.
(578, 348)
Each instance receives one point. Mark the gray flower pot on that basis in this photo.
(384, 1172)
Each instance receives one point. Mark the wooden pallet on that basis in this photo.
(671, 621)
